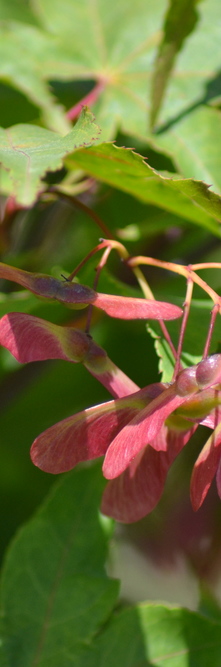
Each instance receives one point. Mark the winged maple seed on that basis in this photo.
(140, 436)
(141, 432)
(76, 295)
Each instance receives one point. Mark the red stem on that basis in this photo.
(185, 271)
(88, 100)
(83, 261)
(214, 313)
(89, 211)
(98, 270)
(167, 337)
(187, 303)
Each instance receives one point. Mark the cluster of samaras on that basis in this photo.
(141, 431)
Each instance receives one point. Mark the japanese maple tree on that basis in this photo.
(110, 330)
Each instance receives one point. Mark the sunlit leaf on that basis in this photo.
(113, 43)
(127, 171)
(166, 358)
(28, 152)
(86, 42)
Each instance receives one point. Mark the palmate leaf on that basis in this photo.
(90, 41)
(28, 152)
(127, 171)
(117, 43)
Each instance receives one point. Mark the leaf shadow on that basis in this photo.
(212, 90)
(123, 637)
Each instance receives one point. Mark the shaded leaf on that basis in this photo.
(142, 635)
(28, 151)
(16, 10)
(58, 560)
(155, 634)
(179, 22)
(196, 153)
(208, 604)
(112, 377)
(16, 301)
(196, 76)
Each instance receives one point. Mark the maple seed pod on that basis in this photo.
(186, 382)
(208, 371)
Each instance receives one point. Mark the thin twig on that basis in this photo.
(120, 248)
(85, 260)
(149, 295)
(189, 292)
(211, 327)
(79, 204)
(98, 270)
(185, 271)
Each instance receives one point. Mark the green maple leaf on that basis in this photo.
(27, 152)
